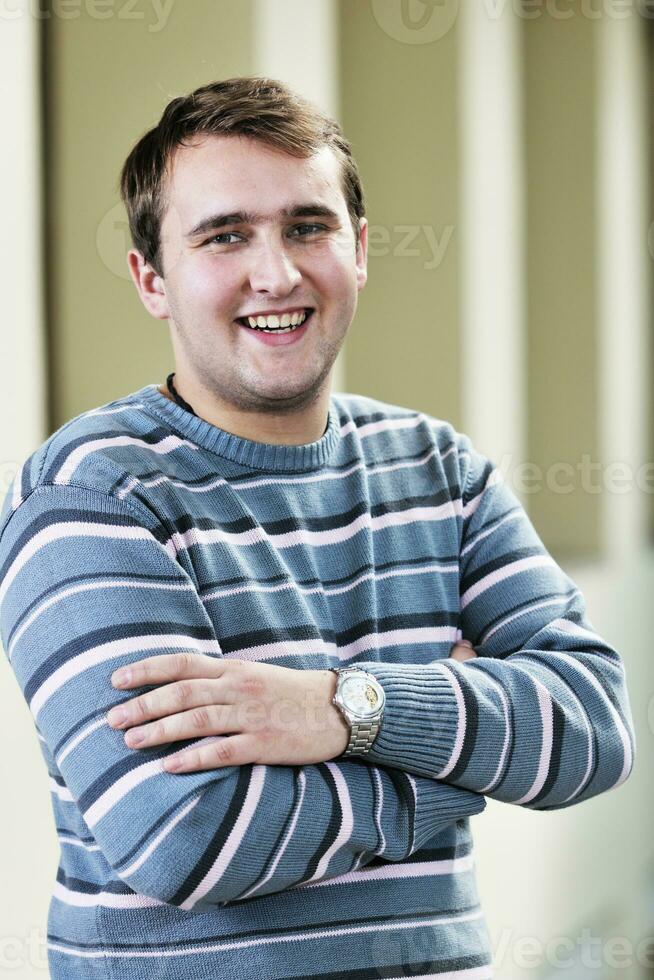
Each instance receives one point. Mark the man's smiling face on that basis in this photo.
(287, 245)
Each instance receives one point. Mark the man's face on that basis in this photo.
(281, 255)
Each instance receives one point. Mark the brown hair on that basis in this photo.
(261, 108)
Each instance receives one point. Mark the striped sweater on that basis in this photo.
(137, 529)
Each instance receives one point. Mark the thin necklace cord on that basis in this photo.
(176, 395)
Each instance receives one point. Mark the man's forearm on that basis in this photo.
(198, 839)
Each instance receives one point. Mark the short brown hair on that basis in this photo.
(262, 108)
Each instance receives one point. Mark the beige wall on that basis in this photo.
(29, 852)
(399, 111)
(650, 213)
(560, 130)
(403, 122)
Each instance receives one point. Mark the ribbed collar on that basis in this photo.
(257, 455)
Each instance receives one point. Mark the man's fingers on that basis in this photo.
(208, 719)
(167, 700)
(211, 753)
(168, 667)
(461, 652)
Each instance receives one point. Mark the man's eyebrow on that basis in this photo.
(214, 221)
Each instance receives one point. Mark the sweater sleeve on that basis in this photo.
(542, 717)
(87, 584)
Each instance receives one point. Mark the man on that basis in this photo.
(234, 603)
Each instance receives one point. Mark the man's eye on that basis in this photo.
(298, 230)
(223, 235)
(311, 228)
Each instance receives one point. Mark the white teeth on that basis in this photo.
(285, 323)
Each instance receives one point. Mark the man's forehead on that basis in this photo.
(228, 174)
(233, 162)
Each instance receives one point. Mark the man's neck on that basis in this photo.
(279, 430)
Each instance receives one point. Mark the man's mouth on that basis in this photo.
(286, 323)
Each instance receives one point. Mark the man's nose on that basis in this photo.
(273, 269)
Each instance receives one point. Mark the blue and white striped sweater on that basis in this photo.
(137, 529)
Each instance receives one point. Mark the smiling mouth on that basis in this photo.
(245, 321)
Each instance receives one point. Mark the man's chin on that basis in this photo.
(288, 400)
(291, 395)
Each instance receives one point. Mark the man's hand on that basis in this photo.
(250, 712)
(261, 713)
(463, 650)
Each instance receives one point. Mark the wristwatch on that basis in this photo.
(360, 698)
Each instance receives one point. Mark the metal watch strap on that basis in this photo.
(362, 735)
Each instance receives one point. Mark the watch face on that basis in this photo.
(360, 696)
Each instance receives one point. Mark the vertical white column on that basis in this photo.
(24, 906)
(624, 276)
(492, 234)
(22, 348)
(296, 41)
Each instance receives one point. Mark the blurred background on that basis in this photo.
(506, 154)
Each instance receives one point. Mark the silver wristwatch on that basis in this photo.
(360, 698)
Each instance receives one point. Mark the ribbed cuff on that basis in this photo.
(439, 805)
(421, 718)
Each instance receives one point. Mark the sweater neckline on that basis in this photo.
(246, 452)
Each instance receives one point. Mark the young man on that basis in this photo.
(234, 603)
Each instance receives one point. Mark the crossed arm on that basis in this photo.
(86, 587)
(260, 712)
(541, 718)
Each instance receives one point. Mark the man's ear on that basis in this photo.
(362, 254)
(150, 286)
